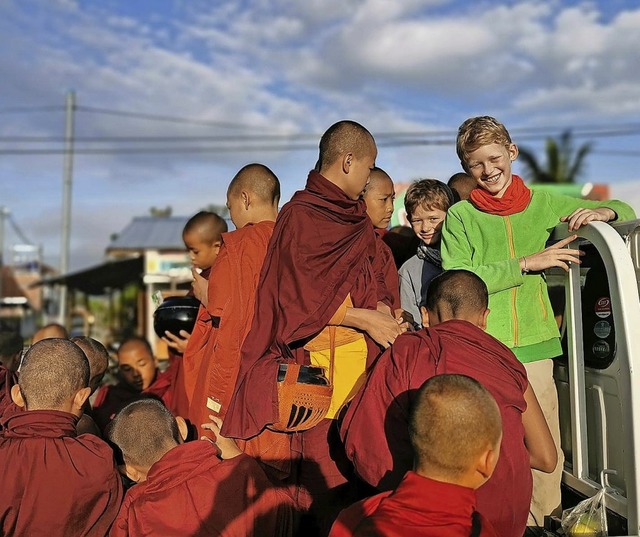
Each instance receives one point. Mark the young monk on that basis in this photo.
(202, 236)
(51, 330)
(500, 233)
(212, 360)
(379, 197)
(455, 431)
(98, 358)
(321, 275)
(185, 489)
(139, 378)
(54, 482)
(375, 426)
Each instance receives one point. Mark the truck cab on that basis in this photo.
(597, 305)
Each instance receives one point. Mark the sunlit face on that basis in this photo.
(137, 365)
(201, 252)
(379, 197)
(427, 223)
(237, 210)
(359, 172)
(490, 166)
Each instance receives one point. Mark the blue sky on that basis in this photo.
(291, 68)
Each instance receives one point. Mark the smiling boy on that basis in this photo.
(500, 234)
(426, 202)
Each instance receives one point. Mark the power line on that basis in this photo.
(30, 109)
(157, 117)
(18, 231)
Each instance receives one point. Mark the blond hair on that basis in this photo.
(429, 194)
(478, 131)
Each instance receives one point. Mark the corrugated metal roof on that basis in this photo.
(151, 232)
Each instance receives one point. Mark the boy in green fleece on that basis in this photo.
(500, 234)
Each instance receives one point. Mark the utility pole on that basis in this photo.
(3, 212)
(66, 202)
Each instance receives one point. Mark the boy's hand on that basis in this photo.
(179, 344)
(381, 327)
(227, 447)
(581, 217)
(404, 317)
(553, 256)
(200, 287)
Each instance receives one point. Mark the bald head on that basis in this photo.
(207, 225)
(98, 358)
(144, 431)
(52, 372)
(341, 138)
(51, 330)
(462, 183)
(454, 420)
(259, 180)
(458, 294)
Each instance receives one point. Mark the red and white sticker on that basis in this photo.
(603, 307)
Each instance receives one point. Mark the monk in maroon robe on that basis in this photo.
(139, 378)
(455, 432)
(54, 482)
(321, 269)
(375, 428)
(186, 489)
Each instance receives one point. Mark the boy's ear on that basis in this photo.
(424, 314)
(487, 463)
(513, 152)
(482, 319)
(134, 473)
(246, 199)
(80, 398)
(183, 428)
(16, 396)
(347, 159)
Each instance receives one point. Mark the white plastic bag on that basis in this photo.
(588, 518)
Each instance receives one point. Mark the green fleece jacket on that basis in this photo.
(491, 246)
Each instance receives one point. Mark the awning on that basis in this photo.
(98, 280)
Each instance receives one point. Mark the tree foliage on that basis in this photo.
(563, 163)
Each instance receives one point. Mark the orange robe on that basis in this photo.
(212, 358)
(191, 492)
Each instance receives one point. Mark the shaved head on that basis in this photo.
(377, 176)
(209, 226)
(342, 138)
(462, 183)
(459, 292)
(258, 180)
(454, 420)
(52, 330)
(52, 372)
(98, 358)
(144, 431)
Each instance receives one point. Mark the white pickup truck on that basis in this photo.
(598, 378)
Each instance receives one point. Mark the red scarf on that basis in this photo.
(515, 199)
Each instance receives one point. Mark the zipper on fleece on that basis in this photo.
(514, 290)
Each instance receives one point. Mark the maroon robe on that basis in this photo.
(191, 492)
(419, 507)
(55, 483)
(375, 427)
(111, 399)
(323, 248)
(391, 278)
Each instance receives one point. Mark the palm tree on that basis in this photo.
(563, 164)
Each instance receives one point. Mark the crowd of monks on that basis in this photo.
(304, 401)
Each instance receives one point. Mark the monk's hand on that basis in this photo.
(227, 447)
(382, 328)
(200, 287)
(553, 256)
(581, 217)
(179, 344)
(383, 308)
